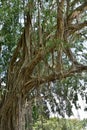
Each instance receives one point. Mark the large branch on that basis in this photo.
(22, 42)
(42, 52)
(76, 27)
(77, 11)
(30, 66)
(36, 82)
(70, 55)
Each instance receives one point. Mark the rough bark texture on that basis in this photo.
(20, 73)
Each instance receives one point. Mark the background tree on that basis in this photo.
(49, 60)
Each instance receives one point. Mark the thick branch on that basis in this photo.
(60, 33)
(70, 55)
(40, 56)
(30, 66)
(36, 82)
(77, 11)
(23, 41)
(76, 27)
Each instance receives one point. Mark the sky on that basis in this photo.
(80, 113)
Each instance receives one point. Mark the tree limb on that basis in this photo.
(77, 11)
(76, 27)
(70, 55)
(34, 82)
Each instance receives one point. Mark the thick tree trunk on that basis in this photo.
(14, 116)
(11, 111)
(9, 119)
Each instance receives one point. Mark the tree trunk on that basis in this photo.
(11, 117)
(12, 112)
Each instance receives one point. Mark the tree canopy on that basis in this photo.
(43, 56)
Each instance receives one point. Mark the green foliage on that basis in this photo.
(61, 124)
(35, 112)
(10, 30)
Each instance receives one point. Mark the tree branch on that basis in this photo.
(36, 82)
(42, 52)
(76, 27)
(77, 11)
(70, 55)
